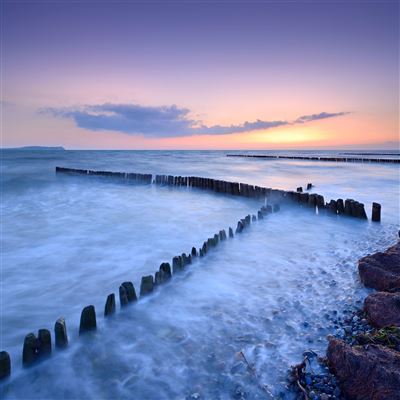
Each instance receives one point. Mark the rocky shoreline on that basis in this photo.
(363, 357)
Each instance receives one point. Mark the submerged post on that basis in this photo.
(376, 212)
(146, 285)
(88, 320)
(60, 333)
(109, 307)
(5, 365)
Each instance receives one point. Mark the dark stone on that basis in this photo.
(381, 271)
(383, 309)
(365, 372)
(5, 365)
(123, 297)
(130, 291)
(44, 343)
(29, 352)
(376, 212)
(230, 232)
(60, 333)
(146, 285)
(88, 320)
(109, 307)
(194, 252)
(239, 227)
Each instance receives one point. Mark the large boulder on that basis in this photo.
(365, 372)
(381, 271)
(383, 309)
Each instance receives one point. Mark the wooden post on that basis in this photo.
(146, 285)
(376, 212)
(60, 333)
(88, 320)
(109, 307)
(5, 365)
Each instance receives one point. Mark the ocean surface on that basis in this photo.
(262, 298)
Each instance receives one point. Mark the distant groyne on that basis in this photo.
(314, 158)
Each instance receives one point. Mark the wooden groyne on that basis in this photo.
(37, 348)
(330, 159)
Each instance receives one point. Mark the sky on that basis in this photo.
(205, 74)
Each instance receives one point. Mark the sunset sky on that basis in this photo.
(200, 74)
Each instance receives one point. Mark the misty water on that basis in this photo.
(261, 298)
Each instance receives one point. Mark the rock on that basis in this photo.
(381, 271)
(88, 320)
(146, 285)
(371, 372)
(109, 307)
(383, 309)
(44, 343)
(5, 365)
(29, 352)
(376, 212)
(60, 333)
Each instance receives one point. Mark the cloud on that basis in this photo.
(316, 117)
(164, 121)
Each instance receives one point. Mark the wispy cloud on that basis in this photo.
(315, 117)
(163, 121)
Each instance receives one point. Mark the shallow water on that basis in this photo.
(68, 242)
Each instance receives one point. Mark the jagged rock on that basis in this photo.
(5, 365)
(383, 309)
(365, 372)
(88, 320)
(381, 271)
(60, 333)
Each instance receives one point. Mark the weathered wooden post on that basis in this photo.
(44, 343)
(130, 291)
(309, 186)
(109, 307)
(146, 285)
(123, 297)
(194, 252)
(239, 227)
(88, 320)
(376, 212)
(5, 365)
(177, 264)
(340, 206)
(29, 351)
(299, 189)
(60, 333)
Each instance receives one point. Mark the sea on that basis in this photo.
(230, 325)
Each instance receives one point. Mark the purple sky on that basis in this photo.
(128, 74)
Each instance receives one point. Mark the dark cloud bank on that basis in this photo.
(165, 121)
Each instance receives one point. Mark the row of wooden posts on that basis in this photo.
(332, 159)
(348, 207)
(37, 348)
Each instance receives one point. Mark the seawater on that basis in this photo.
(263, 297)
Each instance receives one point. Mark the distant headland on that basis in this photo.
(60, 148)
